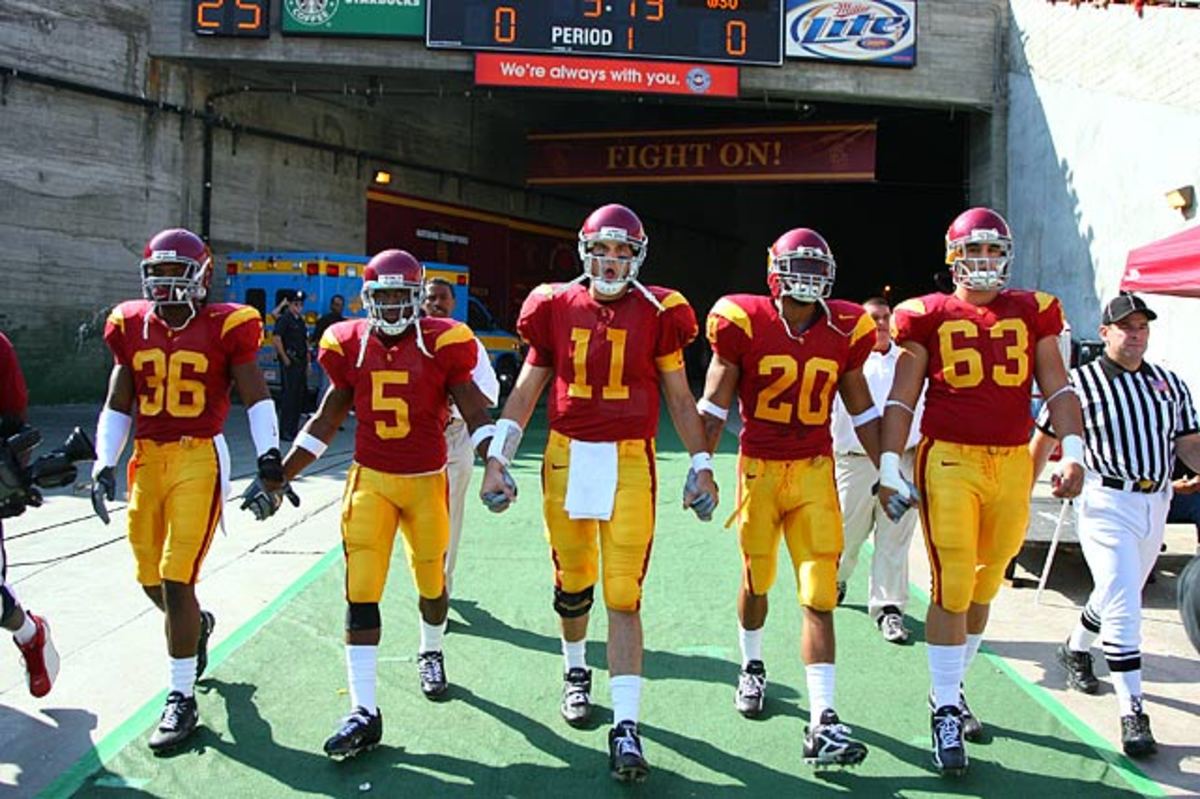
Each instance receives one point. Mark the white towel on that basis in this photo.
(592, 480)
(223, 466)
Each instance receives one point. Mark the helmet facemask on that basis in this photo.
(395, 313)
(984, 272)
(624, 267)
(805, 275)
(186, 288)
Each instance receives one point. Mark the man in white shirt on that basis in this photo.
(439, 301)
(856, 477)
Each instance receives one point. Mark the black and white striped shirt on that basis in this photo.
(1130, 419)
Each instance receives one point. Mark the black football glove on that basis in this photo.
(104, 486)
(263, 502)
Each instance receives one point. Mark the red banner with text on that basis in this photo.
(603, 74)
(814, 153)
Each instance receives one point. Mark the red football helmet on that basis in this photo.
(981, 272)
(612, 223)
(398, 271)
(800, 265)
(176, 247)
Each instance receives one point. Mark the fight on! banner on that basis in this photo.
(608, 75)
(817, 153)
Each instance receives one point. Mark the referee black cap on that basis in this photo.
(1123, 305)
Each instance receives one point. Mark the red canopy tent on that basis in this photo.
(1166, 266)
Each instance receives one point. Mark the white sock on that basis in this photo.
(1128, 685)
(945, 672)
(431, 636)
(183, 675)
(821, 678)
(26, 632)
(626, 697)
(751, 644)
(575, 653)
(972, 649)
(1081, 639)
(360, 673)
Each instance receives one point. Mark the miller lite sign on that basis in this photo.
(880, 32)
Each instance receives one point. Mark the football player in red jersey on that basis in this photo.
(784, 356)
(980, 348)
(175, 357)
(31, 633)
(606, 348)
(395, 371)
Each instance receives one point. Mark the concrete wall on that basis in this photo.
(1103, 119)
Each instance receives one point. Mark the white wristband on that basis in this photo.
(505, 441)
(264, 427)
(1072, 449)
(702, 461)
(869, 415)
(889, 470)
(311, 444)
(712, 409)
(482, 433)
(112, 431)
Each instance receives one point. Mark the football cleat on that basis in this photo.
(431, 667)
(891, 624)
(972, 727)
(1136, 738)
(207, 623)
(40, 658)
(576, 704)
(178, 721)
(625, 758)
(949, 750)
(828, 743)
(751, 689)
(1078, 666)
(358, 732)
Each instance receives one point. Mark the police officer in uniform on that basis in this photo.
(291, 348)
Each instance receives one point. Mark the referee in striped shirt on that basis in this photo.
(1137, 418)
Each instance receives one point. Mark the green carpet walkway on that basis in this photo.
(278, 688)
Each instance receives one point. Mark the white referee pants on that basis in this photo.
(862, 515)
(460, 463)
(1120, 533)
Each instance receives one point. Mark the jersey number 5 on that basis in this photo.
(962, 367)
(168, 388)
(384, 404)
(812, 405)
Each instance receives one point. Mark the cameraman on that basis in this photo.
(30, 633)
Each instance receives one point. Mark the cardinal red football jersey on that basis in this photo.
(182, 377)
(606, 356)
(786, 384)
(400, 393)
(981, 362)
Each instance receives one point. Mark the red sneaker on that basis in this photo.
(40, 657)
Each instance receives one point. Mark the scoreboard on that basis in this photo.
(725, 31)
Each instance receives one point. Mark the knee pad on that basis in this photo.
(758, 573)
(622, 593)
(362, 616)
(954, 588)
(817, 585)
(8, 602)
(573, 605)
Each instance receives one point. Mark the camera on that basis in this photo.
(20, 483)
